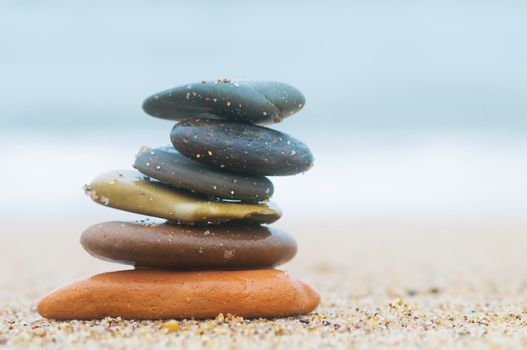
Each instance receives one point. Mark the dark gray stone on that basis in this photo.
(244, 101)
(241, 148)
(169, 166)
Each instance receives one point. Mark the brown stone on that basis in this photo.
(158, 294)
(231, 245)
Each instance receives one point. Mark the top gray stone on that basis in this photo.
(259, 102)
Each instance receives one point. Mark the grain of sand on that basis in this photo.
(392, 286)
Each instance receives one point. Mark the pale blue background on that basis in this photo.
(416, 110)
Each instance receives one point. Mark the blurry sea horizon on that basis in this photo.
(468, 176)
(414, 112)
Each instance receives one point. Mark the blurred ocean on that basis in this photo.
(415, 111)
(410, 177)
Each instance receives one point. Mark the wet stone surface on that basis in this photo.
(241, 148)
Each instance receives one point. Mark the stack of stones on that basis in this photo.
(213, 254)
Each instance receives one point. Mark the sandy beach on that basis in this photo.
(382, 285)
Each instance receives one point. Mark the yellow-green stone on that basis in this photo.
(131, 191)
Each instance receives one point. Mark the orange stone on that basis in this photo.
(163, 294)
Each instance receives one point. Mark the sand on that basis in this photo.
(383, 286)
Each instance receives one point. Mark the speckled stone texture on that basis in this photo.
(169, 166)
(164, 245)
(212, 255)
(241, 148)
(243, 101)
(129, 190)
